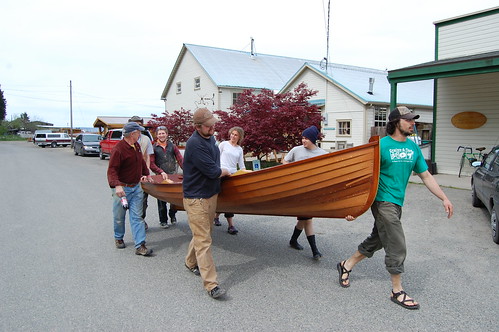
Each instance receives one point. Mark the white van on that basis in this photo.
(52, 139)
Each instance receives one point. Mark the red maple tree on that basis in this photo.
(179, 124)
(271, 122)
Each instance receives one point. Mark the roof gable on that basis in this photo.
(355, 81)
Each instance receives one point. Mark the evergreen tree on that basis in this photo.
(3, 106)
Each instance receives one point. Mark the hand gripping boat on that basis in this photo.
(332, 185)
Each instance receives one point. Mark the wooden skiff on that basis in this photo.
(333, 185)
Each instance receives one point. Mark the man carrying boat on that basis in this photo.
(201, 185)
(399, 158)
(126, 170)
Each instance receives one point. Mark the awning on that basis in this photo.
(467, 65)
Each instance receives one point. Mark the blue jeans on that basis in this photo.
(134, 196)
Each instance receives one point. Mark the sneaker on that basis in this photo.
(194, 270)
(173, 220)
(217, 222)
(216, 292)
(232, 230)
(163, 225)
(120, 244)
(143, 251)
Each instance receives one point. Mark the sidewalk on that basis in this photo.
(446, 180)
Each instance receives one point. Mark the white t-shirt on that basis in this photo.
(300, 152)
(231, 157)
(145, 145)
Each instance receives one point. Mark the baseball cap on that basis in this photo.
(202, 116)
(402, 112)
(131, 127)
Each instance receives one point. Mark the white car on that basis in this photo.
(52, 139)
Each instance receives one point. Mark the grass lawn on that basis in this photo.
(11, 138)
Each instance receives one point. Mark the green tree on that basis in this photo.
(3, 106)
(24, 120)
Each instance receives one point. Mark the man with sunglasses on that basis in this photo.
(399, 158)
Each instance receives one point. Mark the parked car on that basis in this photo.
(485, 188)
(52, 139)
(87, 144)
(112, 137)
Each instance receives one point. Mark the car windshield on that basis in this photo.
(91, 138)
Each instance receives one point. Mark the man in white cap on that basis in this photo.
(201, 185)
(126, 170)
(399, 158)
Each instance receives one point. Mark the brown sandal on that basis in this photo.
(341, 270)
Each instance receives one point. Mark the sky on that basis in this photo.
(118, 55)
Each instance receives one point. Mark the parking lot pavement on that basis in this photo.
(446, 180)
(60, 270)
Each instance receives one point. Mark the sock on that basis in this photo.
(313, 246)
(296, 234)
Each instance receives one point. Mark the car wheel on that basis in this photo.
(53, 145)
(475, 201)
(493, 223)
(101, 156)
(64, 145)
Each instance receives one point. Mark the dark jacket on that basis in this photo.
(165, 160)
(201, 167)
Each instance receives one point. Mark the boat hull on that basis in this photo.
(333, 185)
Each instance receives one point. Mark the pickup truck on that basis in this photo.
(112, 138)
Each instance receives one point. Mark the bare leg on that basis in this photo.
(345, 267)
(308, 226)
(353, 260)
(397, 287)
(229, 221)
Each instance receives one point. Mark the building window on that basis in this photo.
(344, 128)
(380, 115)
(197, 83)
(179, 87)
(235, 97)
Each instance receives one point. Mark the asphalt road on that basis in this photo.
(60, 271)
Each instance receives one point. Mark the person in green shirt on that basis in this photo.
(399, 158)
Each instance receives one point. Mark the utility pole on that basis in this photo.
(71, 112)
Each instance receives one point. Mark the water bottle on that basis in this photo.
(124, 202)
